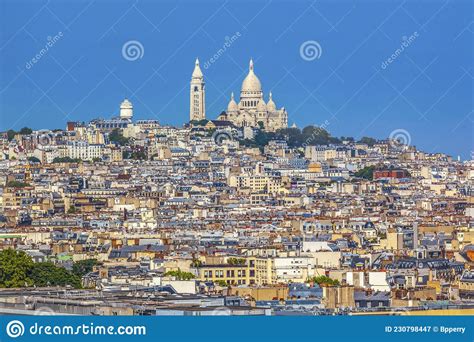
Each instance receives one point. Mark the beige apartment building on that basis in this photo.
(256, 183)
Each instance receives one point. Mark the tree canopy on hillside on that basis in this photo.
(17, 269)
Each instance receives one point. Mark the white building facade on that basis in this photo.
(252, 111)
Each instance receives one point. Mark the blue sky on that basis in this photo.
(349, 86)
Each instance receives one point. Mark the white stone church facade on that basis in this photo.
(251, 111)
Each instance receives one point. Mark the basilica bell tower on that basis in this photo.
(197, 105)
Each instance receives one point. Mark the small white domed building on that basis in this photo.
(126, 110)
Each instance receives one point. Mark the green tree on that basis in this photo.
(260, 140)
(138, 155)
(48, 274)
(292, 135)
(66, 160)
(236, 261)
(367, 140)
(310, 135)
(179, 275)
(196, 263)
(72, 210)
(367, 172)
(10, 134)
(347, 139)
(17, 184)
(117, 137)
(82, 267)
(25, 131)
(14, 268)
(17, 269)
(135, 155)
(202, 122)
(221, 282)
(323, 280)
(34, 160)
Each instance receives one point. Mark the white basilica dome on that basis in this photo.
(261, 106)
(271, 105)
(251, 83)
(232, 106)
